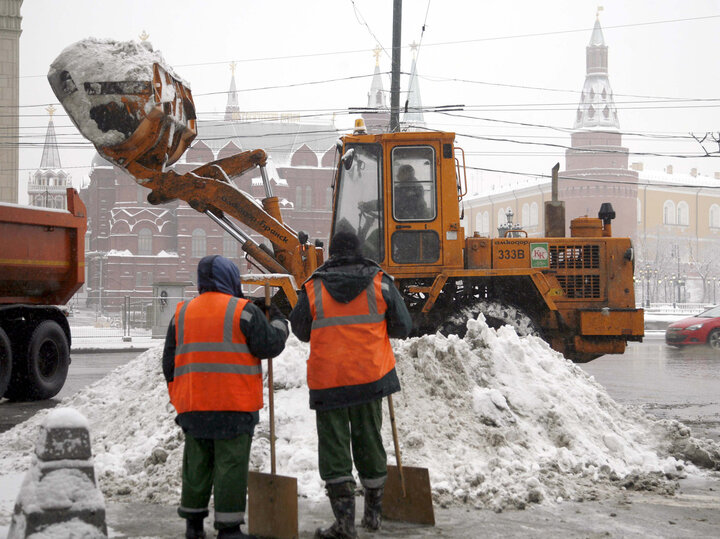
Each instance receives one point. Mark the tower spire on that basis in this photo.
(597, 106)
(414, 114)
(376, 96)
(50, 156)
(232, 109)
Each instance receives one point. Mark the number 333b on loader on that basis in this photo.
(401, 193)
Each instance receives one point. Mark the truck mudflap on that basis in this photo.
(626, 323)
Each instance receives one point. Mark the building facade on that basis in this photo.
(10, 30)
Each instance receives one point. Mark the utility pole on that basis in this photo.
(395, 72)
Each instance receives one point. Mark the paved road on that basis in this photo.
(84, 370)
(670, 383)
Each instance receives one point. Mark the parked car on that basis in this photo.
(703, 328)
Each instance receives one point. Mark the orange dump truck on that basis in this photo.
(42, 264)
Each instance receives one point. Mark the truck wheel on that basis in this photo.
(497, 314)
(43, 372)
(5, 362)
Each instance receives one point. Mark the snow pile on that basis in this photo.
(500, 421)
(65, 418)
(96, 61)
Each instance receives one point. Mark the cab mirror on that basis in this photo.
(347, 159)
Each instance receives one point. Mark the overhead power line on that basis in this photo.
(437, 44)
(598, 180)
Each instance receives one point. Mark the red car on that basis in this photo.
(703, 328)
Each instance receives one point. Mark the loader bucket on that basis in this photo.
(147, 119)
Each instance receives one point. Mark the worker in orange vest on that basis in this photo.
(211, 362)
(348, 310)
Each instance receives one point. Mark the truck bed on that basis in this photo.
(42, 252)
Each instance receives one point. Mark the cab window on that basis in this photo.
(358, 206)
(413, 180)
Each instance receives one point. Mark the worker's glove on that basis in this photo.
(274, 311)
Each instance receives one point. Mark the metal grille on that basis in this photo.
(574, 256)
(580, 286)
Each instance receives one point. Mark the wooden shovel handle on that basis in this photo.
(271, 401)
(397, 445)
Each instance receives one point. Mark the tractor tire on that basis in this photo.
(5, 362)
(714, 340)
(497, 314)
(41, 374)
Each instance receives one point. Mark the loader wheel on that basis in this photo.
(497, 314)
(5, 362)
(42, 373)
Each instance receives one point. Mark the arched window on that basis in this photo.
(501, 217)
(534, 214)
(639, 211)
(669, 212)
(145, 242)
(199, 243)
(683, 213)
(299, 197)
(308, 197)
(479, 224)
(486, 222)
(229, 246)
(714, 216)
(328, 197)
(525, 212)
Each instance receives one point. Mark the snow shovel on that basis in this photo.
(272, 498)
(408, 496)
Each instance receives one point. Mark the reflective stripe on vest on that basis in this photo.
(227, 344)
(214, 369)
(349, 344)
(372, 317)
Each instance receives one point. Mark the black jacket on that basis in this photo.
(264, 339)
(345, 278)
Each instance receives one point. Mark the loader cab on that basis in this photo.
(398, 192)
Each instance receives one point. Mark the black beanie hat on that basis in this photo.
(344, 244)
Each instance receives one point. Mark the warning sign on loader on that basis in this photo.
(539, 255)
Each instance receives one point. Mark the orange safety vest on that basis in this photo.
(349, 343)
(214, 369)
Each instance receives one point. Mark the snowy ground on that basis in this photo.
(500, 421)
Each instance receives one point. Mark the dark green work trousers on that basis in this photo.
(356, 427)
(220, 466)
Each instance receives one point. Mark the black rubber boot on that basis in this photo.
(372, 515)
(342, 501)
(194, 528)
(233, 532)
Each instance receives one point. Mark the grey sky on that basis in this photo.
(494, 44)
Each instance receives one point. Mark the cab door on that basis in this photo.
(414, 224)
